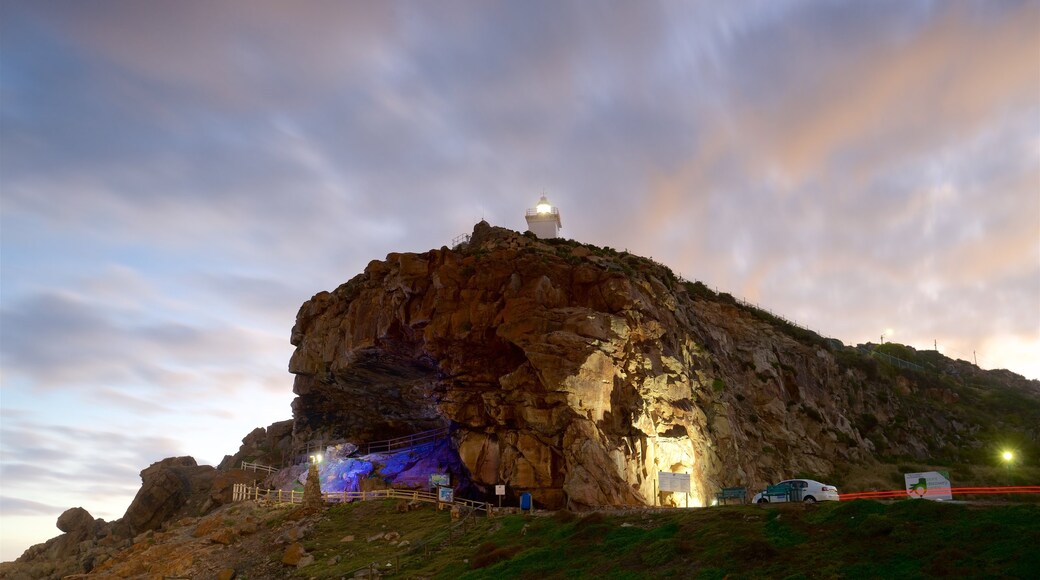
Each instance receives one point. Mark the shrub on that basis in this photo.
(812, 413)
(699, 291)
(866, 423)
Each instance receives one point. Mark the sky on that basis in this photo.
(177, 178)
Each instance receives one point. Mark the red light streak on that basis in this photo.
(902, 493)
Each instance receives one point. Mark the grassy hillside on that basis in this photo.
(858, 539)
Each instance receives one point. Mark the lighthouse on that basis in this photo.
(543, 220)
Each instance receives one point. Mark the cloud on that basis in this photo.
(179, 178)
(884, 85)
(92, 467)
(65, 339)
(13, 506)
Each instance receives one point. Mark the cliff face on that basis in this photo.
(577, 373)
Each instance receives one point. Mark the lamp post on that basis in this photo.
(1008, 458)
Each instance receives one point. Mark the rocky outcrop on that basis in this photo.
(166, 488)
(85, 541)
(573, 375)
(171, 489)
(271, 446)
(74, 519)
(577, 373)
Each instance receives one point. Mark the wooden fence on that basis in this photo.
(243, 492)
(258, 467)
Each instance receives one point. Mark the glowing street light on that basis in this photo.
(1008, 458)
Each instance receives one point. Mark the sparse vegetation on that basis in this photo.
(812, 413)
(857, 539)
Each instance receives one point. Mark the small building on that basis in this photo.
(543, 220)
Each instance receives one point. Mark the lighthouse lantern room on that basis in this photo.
(544, 220)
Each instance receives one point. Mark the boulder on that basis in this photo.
(293, 554)
(74, 519)
(173, 488)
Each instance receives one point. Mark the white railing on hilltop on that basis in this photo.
(747, 304)
(459, 240)
(898, 362)
(246, 465)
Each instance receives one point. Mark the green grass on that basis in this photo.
(857, 539)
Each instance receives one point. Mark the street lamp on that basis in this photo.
(1008, 458)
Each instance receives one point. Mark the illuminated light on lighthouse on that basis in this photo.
(544, 220)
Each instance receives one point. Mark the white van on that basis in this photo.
(806, 490)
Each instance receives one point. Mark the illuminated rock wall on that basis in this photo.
(571, 372)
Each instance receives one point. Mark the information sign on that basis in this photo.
(932, 485)
(445, 494)
(674, 482)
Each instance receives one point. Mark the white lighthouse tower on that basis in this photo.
(544, 220)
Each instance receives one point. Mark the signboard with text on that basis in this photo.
(445, 495)
(500, 490)
(674, 482)
(439, 479)
(933, 485)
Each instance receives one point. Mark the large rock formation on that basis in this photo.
(577, 373)
(171, 489)
(166, 488)
(271, 446)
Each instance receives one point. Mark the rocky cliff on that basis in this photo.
(171, 489)
(576, 373)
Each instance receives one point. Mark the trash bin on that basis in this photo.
(525, 501)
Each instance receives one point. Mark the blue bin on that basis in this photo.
(525, 501)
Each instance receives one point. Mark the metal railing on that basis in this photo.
(406, 442)
(898, 362)
(779, 317)
(683, 280)
(302, 453)
(554, 211)
(459, 240)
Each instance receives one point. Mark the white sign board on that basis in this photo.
(500, 490)
(674, 482)
(928, 485)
